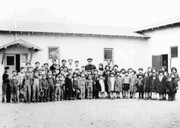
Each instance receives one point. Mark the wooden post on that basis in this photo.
(3, 56)
(32, 51)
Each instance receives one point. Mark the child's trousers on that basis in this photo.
(36, 92)
(82, 93)
(27, 89)
(89, 92)
(4, 92)
(58, 92)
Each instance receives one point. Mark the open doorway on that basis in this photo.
(158, 61)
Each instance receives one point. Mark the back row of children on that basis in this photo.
(57, 82)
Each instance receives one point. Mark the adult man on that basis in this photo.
(53, 66)
(63, 65)
(90, 66)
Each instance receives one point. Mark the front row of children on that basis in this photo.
(33, 87)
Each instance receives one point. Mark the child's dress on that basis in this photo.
(133, 81)
(119, 84)
(111, 84)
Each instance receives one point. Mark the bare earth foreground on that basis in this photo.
(126, 113)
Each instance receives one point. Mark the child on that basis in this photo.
(76, 89)
(6, 86)
(133, 81)
(140, 85)
(126, 83)
(37, 64)
(44, 87)
(89, 87)
(154, 87)
(101, 69)
(161, 85)
(96, 86)
(50, 81)
(35, 87)
(106, 76)
(146, 85)
(101, 86)
(118, 85)
(111, 85)
(82, 85)
(58, 84)
(68, 88)
(27, 84)
(171, 88)
(14, 86)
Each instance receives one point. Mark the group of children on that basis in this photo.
(54, 83)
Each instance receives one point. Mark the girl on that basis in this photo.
(111, 85)
(146, 85)
(154, 87)
(102, 86)
(101, 69)
(161, 85)
(118, 85)
(126, 82)
(133, 81)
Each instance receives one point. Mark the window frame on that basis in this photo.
(112, 54)
(171, 51)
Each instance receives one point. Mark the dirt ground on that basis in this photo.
(126, 113)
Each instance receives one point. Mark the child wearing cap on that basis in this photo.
(111, 85)
(126, 83)
(6, 93)
(89, 87)
(14, 81)
(35, 87)
(119, 85)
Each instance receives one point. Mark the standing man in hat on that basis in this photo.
(90, 66)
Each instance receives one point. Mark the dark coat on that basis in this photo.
(161, 85)
(171, 87)
(147, 84)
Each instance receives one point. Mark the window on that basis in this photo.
(174, 52)
(108, 53)
(10, 60)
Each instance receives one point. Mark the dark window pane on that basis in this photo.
(108, 54)
(174, 51)
(10, 60)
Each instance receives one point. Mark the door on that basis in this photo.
(10, 61)
(157, 62)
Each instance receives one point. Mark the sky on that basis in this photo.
(123, 13)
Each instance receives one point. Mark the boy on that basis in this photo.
(37, 64)
(126, 83)
(133, 81)
(35, 87)
(50, 81)
(27, 83)
(68, 88)
(6, 86)
(75, 86)
(140, 85)
(89, 87)
(111, 85)
(44, 86)
(14, 87)
(171, 89)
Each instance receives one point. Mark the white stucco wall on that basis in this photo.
(128, 52)
(161, 41)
